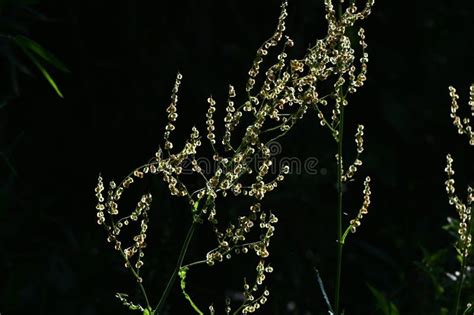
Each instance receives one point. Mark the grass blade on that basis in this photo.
(44, 72)
(28, 44)
(323, 291)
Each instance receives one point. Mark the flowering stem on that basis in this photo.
(340, 242)
(340, 237)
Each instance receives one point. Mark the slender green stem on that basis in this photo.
(461, 283)
(174, 276)
(340, 242)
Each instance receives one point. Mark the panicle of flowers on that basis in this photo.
(355, 223)
(463, 209)
(263, 50)
(170, 167)
(227, 177)
(462, 124)
(234, 241)
(334, 56)
(287, 90)
(114, 226)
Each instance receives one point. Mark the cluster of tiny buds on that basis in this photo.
(123, 298)
(231, 241)
(263, 51)
(210, 121)
(355, 223)
(251, 302)
(462, 124)
(114, 228)
(256, 304)
(335, 56)
(358, 80)
(359, 139)
(172, 112)
(450, 172)
(464, 211)
(100, 205)
(260, 188)
(231, 119)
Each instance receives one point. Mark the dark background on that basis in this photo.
(123, 57)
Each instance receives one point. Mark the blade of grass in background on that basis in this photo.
(33, 49)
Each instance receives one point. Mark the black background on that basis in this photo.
(123, 57)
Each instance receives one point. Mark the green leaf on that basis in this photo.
(44, 72)
(387, 307)
(29, 44)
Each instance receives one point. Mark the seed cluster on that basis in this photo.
(464, 209)
(172, 113)
(231, 240)
(114, 227)
(352, 169)
(333, 58)
(462, 124)
(355, 223)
